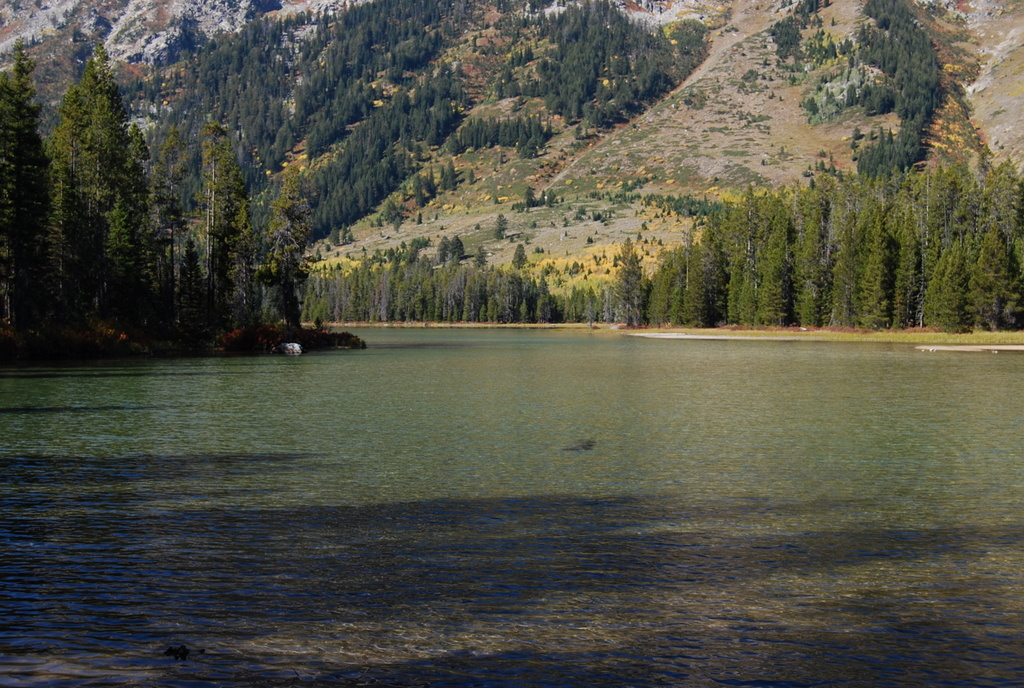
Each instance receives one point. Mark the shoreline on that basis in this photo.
(926, 340)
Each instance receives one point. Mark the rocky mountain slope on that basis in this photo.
(739, 119)
(139, 30)
(997, 34)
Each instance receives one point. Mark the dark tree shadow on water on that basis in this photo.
(551, 590)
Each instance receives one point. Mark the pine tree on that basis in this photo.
(663, 304)
(774, 276)
(168, 216)
(947, 303)
(874, 286)
(99, 164)
(694, 304)
(994, 285)
(907, 279)
(456, 249)
(811, 262)
(443, 249)
(844, 273)
(224, 204)
(519, 257)
(449, 177)
(193, 321)
(629, 285)
(286, 266)
(245, 300)
(24, 195)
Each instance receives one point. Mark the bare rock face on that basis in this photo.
(149, 31)
(156, 31)
(25, 19)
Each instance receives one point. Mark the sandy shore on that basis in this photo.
(985, 348)
(825, 337)
(683, 335)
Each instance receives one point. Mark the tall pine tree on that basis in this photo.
(99, 167)
(286, 266)
(225, 224)
(24, 195)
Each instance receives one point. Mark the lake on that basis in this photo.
(516, 508)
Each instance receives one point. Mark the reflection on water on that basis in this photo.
(70, 409)
(424, 537)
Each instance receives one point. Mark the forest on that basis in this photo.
(939, 249)
(96, 251)
(111, 236)
(379, 66)
(928, 248)
(196, 223)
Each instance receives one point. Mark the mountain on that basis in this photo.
(150, 31)
(762, 92)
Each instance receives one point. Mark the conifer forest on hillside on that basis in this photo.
(195, 199)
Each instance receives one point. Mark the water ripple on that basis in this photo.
(543, 591)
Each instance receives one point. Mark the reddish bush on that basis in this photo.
(265, 338)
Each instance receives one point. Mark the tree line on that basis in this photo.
(93, 228)
(940, 248)
(407, 285)
(412, 288)
(935, 248)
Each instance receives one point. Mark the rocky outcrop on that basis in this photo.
(149, 31)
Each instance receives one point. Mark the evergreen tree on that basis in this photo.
(874, 286)
(695, 308)
(456, 249)
(519, 257)
(663, 304)
(774, 275)
(99, 176)
(224, 205)
(844, 271)
(811, 260)
(24, 195)
(907, 300)
(193, 316)
(449, 177)
(245, 303)
(630, 288)
(168, 175)
(947, 300)
(286, 266)
(443, 250)
(994, 283)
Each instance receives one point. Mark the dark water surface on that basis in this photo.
(492, 508)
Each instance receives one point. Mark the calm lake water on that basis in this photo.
(516, 508)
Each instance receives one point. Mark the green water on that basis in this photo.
(465, 507)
